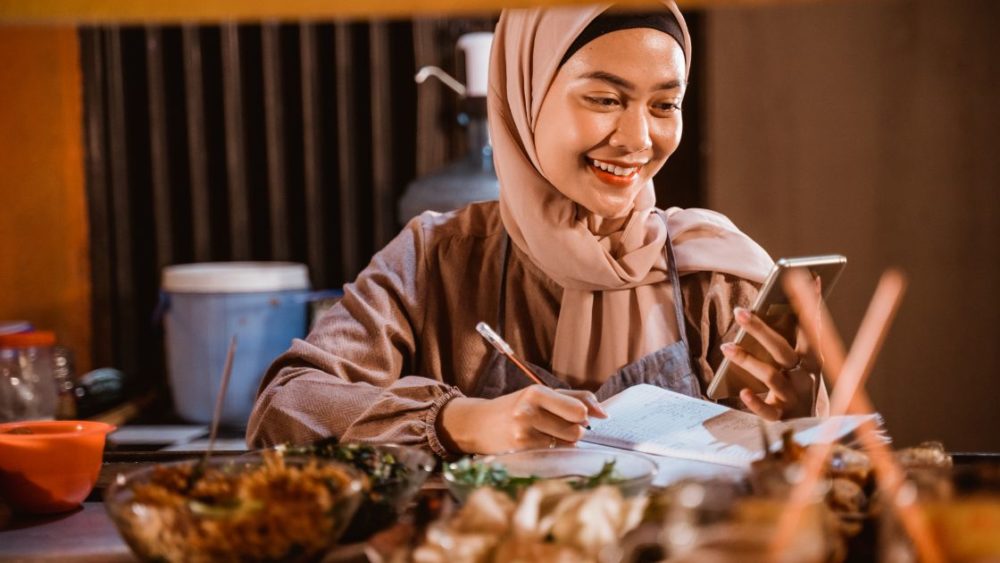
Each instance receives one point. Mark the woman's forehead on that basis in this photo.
(641, 56)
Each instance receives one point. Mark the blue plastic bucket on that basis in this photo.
(263, 303)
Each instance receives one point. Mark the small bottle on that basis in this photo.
(27, 384)
(62, 371)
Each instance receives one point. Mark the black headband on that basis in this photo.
(608, 22)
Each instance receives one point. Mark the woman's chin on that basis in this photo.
(613, 207)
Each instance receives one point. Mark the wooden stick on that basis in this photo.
(227, 370)
(849, 375)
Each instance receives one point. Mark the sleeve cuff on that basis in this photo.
(430, 423)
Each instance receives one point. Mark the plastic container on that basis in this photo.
(50, 466)
(28, 388)
(263, 303)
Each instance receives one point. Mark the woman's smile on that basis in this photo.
(614, 173)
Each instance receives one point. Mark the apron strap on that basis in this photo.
(502, 300)
(675, 282)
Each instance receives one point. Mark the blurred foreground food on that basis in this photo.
(274, 509)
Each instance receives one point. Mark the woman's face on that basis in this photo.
(611, 118)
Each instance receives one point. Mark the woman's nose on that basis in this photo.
(632, 133)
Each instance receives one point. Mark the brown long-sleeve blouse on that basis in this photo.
(381, 364)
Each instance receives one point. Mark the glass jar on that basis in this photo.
(961, 506)
(28, 388)
(721, 521)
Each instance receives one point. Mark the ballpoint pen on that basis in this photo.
(501, 345)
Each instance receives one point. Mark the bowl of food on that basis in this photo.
(581, 468)
(268, 507)
(49, 466)
(395, 474)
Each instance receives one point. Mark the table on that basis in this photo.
(81, 536)
(87, 534)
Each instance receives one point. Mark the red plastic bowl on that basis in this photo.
(50, 466)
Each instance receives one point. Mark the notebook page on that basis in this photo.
(654, 420)
(650, 419)
(812, 430)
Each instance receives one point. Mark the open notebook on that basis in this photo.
(653, 420)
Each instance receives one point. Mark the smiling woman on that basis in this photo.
(575, 266)
(603, 134)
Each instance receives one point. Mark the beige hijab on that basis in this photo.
(617, 303)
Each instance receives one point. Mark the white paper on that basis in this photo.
(221, 445)
(657, 421)
(156, 435)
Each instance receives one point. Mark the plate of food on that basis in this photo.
(395, 474)
(267, 507)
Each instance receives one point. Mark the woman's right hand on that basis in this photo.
(534, 417)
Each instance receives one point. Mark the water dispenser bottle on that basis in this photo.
(471, 178)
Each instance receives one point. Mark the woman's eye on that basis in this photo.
(602, 101)
(667, 107)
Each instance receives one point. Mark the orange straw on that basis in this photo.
(849, 396)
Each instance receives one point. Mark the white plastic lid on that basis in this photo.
(477, 62)
(234, 277)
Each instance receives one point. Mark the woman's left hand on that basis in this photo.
(783, 398)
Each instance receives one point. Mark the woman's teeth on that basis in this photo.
(616, 170)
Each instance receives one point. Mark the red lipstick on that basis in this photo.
(614, 179)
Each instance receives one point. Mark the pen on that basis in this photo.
(501, 345)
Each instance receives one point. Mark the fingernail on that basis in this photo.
(742, 315)
(597, 406)
(728, 348)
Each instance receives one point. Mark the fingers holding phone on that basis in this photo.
(771, 368)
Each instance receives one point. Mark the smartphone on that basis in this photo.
(774, 308)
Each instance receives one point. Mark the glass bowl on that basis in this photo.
(631, 473)
(263, 508)
(395, 474)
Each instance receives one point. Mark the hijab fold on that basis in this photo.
(617, 303)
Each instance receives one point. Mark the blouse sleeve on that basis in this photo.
(350, 377)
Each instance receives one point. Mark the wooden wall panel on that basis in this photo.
(44, 263)
(872, 129)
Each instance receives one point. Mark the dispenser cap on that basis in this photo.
(477, 62)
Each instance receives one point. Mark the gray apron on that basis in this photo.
(669, 367)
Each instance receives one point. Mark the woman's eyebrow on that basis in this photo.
(668, 85)
(616, 80)
(610, 78)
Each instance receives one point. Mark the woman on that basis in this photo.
(574, 266)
